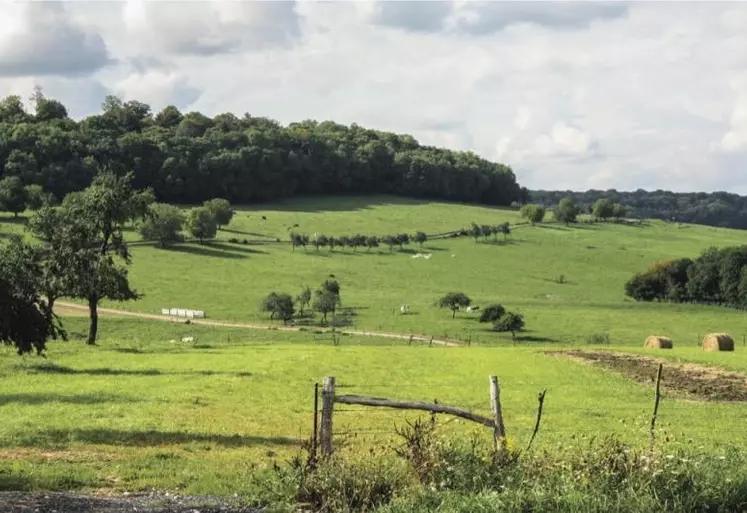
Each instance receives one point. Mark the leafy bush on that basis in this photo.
(221, 210)
(492, 313)
(533, 213)
(598, 338)
(164, 224)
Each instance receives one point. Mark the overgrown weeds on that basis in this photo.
(427, 471)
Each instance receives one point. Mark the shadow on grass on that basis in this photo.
(333, 203)
(507, 242)
(226, 246)
(127, 350)
(558, 227)
(534, 338)
(244, 232)
(57, 437)
(67, 399)
(14, 220)
(204, 251)
(585, 226)
(52, 368)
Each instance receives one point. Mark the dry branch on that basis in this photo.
(541, 401)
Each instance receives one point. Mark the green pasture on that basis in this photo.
(144, 411)
(228, 280)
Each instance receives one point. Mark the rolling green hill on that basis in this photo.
(228, 280)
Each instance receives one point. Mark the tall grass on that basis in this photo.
(464, 475)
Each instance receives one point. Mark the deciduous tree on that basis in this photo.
(566, 211)
(280, 305)
(202, 224)
(221, 209)
(420, 238)
(26, 320)
(454, 301)
(512, 322)
(304, 299)
(86, 235)
(492, 313)
(163, 224)
(533, 213)
(325, 302)
(603, 209)
(13, 195)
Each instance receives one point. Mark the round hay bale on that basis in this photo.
(718, 342)
(657, 342)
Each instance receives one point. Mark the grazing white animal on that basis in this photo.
(403, 309)
(188, 340)
(473, 308)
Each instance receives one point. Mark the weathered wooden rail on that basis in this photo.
(330, 398)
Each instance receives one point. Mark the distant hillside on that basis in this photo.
(188, 158)
(714, 209)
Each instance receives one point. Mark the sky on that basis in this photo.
(571, 95)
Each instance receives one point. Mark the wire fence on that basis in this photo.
(679, 420)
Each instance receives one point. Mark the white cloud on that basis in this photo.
(158, 88)
(735, 140)
(39, 38)
(571, 95)
(209, 27)
(564, 141)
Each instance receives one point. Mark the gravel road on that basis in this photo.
(62, 502)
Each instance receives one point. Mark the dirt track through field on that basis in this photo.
(694, 380)
(70, 307)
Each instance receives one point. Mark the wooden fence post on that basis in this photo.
(315, 436)
(328, 405)
(499, 430)
(657, 398)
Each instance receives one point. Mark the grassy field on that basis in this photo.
(228, 280)
(142, 412)
(145, 411)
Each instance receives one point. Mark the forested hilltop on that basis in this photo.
(715, 209)
(189, 158)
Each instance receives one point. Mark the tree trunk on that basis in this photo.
(93, 327)
(453, 313)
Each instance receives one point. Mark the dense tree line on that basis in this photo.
(718, 276)
(714, 209)
(190, 158)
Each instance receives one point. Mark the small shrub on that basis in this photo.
(492, 313)
(233, 240)
(352, 485)
(245, 242)
(561, 279)
(598, 338)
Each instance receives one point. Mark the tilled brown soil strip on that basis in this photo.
(697, 381)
